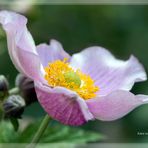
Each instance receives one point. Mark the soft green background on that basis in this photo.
(121, 29)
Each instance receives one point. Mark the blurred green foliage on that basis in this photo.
(54, 133)
(121, 29)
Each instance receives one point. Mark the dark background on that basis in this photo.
(121, 29)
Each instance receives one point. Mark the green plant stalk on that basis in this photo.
(40, 131)
(42, 127)
(1, 112)
(14, 90)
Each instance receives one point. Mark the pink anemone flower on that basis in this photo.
(89, 85)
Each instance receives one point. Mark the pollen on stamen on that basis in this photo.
(60, 73)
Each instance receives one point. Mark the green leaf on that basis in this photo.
(27, 134)
(15, 123)
(60, 133)
(56, 133)
(7, 132)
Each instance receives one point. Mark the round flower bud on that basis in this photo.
(14, 106)
(4, 86)
(26, 86)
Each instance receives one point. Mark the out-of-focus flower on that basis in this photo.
(92, 84)
(13, 106)
(4, 86)
(21, 6)
(26, 87)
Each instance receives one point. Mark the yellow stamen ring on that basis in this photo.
(60, 73)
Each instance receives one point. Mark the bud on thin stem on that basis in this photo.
(4, 86)
(14, 106)
(26, 87)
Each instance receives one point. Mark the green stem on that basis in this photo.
(40, 131)
(14, 90)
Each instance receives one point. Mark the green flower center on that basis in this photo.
(72, 77)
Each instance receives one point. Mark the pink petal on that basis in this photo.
(115, 105)
(108, 72)
(21, 45)
(63, 105)
(52, 52)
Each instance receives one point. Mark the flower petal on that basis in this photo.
(52, 52)
(21, 45)
(63, 105)
(115, 105)
(108, 72)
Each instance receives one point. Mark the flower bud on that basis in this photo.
(26, 86)
(4, 85)
(14, 106)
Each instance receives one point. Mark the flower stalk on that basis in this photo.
(14, 90)
(40, 131)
